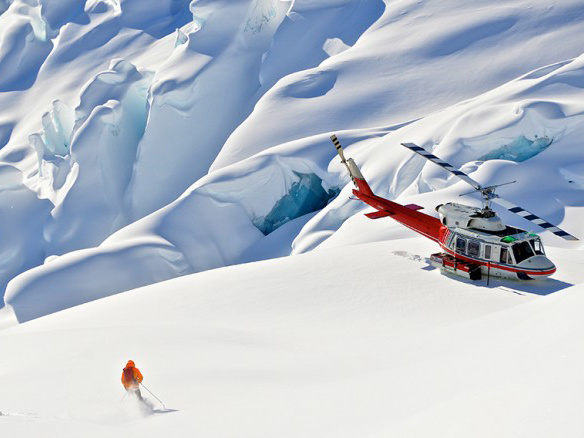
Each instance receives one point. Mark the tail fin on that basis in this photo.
(354, 171)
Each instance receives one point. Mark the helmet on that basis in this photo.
(130, 364)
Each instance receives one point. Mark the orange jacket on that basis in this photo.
(131, 376)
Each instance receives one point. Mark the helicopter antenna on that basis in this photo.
(488, 193)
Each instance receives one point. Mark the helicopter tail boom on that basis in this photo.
(407, 215)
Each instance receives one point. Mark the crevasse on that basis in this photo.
(520, 149)
(305, 196)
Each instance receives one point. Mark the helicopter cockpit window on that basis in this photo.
(460, 245)
(474, 248)
(537, 246)
(522, 251)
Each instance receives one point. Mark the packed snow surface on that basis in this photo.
(146, 140)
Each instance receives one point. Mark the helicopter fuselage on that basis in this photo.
(506, 252)
(510, 253)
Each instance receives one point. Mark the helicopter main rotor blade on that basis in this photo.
(533, 218)
(434, 159)
(488, 193)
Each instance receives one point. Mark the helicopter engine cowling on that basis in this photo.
(465, 216)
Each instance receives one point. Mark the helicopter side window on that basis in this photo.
(460, 245)
(537, 246)
(505, 256)
(488, 252)
(451, 239)
(474, 248)
(522, 251)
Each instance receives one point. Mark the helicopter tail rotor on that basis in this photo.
(356, 175)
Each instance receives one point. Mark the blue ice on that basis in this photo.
(305, 196)
(519, 150)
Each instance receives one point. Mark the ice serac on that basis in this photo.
(196, 233)
(156, 17)
(87, 275)
(27, 31)
(56, 13)
(109, 123)
(20, 209)
(210, 226)
(5, 133)
(24, 46)
(311, 33)
(52, 146)
(200, 95)
(4, 5)
(55, 139)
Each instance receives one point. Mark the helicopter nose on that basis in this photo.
(539, 263)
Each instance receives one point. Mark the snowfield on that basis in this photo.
(321, 344)
(169, 194)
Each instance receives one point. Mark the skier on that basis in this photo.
(131, 379)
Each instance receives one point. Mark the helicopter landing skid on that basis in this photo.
(448, 263)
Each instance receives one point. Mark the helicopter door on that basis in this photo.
(495, 253)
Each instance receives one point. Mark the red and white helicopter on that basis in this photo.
(474, 241)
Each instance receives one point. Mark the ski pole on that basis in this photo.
(164, 407)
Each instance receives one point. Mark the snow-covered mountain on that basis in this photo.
(144, 140)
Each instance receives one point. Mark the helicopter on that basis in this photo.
(474, 241)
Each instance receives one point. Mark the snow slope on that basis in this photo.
(326, 343)
(417, 58)
(251, 90)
